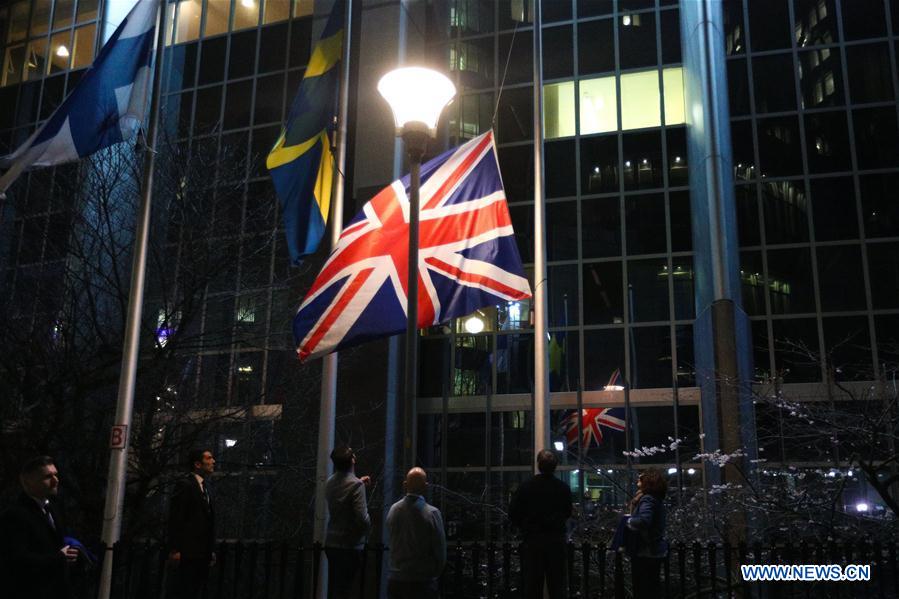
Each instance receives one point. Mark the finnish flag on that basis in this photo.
(107, 106)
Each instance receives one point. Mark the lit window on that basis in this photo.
(18, 22)
(187, 21)
(83, 47)
(673, 80)
(302, 8)
(12, 65)
(36, 65)
(216, 17)
(246, 14)
(599, 109)
(275, 10)
(640, 103)
(558, 110)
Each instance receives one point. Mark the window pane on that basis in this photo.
(786, 212)
(302, 8)
(269, 93)
(734, 29)
(514, 363)
(515, 119)
(884, 269)
(790, 281)
(815, 22)
(876, 137)
(561, 231)
(599, 164)
(643, 160)
(650, 357)
(558, 59)
(738, 86)
(864, 19)
(648, 289)
(473, 60)
(517, 167)
(827, 142)
(243, 55)
(773, 79)
(62, 13)
(596, 47)
(40, 17)
(673, 80)
(558, 110)
(669, 23)
(640, 104)
(840, 280)
(833, 209)
(603, 299)
(87, 10)
(18, 21)
(246, 14)
(681, 227)
(779, 150)
(466, 438)
(796, 350)
(83, 47)
(821, 80)
(36, 65)
(511, 438)
(748, 226)
(212, 60)
(880, 209)
(752, 283)
(869, 72)
(561, 177)
(677, 157)
(848, 345)
(637, 40)
(564, 361)
(563, 296)
(187, 23)
(217, 14)
(769, 24)
(474, 116)
(598, 105)
(645, 218)
(60, 55)
(522, 49)
(237, 105)
(682, 282)
(276, 10)
(603, 355)
(601, 232)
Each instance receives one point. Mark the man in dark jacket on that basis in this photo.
(192, 526)
(348, 522)
(35, 559)
(541, 508)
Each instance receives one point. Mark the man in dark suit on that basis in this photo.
(541, 508)
(192, 526)
(34, 559)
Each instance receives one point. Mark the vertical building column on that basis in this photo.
(721, 334)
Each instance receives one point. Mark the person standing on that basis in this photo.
(647, 528)
(34, 557)
(541, 508)
(417, 542)
(191, 532)
(348, 522)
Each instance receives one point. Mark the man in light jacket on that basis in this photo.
(417, 542)
(348, 522)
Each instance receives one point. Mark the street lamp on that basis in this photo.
(416, 96)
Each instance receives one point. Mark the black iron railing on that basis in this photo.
(272, 570)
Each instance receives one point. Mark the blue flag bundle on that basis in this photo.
(301, 164)
(106, 107)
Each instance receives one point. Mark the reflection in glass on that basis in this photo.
(834, 209)
(790, 281)
(752, 283)
(841, 281)
(473, 60)
(779, 149)
(563, 295)
(769, 25)
(275, 10)
(511, 438)
(682, 283)
(786, 211)
(515, 119)
(880, 211)
(738, 87)
(827, 142)
(876, 137)
(773, 82)
(647, 282)
(603, 356)
(848, 347)
(601, 227)
(599, 164)
(884, 274)
(563, 352)
(246, 14)
(677, 157)
(472, 375)
(643, 166)
(36, 64)
(514, 363)
(559, 169)
(650, 357)
(869, 71)
(815, 22)
(603, 300)
(645, 218)
(820, 78)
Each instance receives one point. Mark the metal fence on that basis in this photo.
(271, 570)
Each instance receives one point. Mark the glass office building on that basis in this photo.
(813, 114)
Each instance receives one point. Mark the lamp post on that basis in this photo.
(416, 96)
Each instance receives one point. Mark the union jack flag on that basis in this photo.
(467, 256)
(592, 421)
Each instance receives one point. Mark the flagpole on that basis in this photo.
(120, 433)
(541, 372)
(328, 401)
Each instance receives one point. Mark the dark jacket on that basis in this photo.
(191, 520)
(31, 563)
(541, 507)
(648, 525)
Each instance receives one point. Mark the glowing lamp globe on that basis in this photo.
(416, 96)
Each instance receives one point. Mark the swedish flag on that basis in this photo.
(301, 164)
